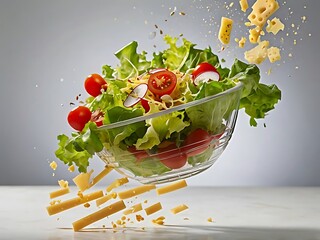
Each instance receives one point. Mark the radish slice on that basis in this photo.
(157, 70)
(205, 77)
(136, 95)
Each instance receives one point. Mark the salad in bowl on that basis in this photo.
(163, 119)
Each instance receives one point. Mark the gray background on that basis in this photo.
(47, 48)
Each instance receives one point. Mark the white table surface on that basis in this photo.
(238, 213)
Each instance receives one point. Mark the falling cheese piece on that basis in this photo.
(171, 187)
(153, 208)
(274, 54)
(71, 168)
(53, 165)
(179, 208)
(135, 191)
(83, 180)
(261, 11)
(159, 220)
(242, 42)
(254, 35)
(133, 209)
(98, 215)
(62, 206)
(117, 183)
(63, 183)
(105, 198)
(225, 30)
(59, 192)
(244, 5)
(101, 175)
(257, 54)
(274, 26)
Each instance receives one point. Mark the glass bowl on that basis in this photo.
(211, 121)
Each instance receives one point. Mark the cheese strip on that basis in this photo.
(59, 192)
(98, 215)
(100, 176)
(105, 198)
(65, 205)
(179, 208)
(225, 30)
(117, 183)
(135, 191)
(133, 209)
(153, 208)
(171, 187)
(83, 180)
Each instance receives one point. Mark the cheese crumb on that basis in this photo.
(210, 219)
(71, 168)
(86, 205)
(53, 165)
(139, 218)
(254, 34)
(159, 220)
(244, 5)
(242, 42)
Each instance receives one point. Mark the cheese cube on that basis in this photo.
(257, 54)
(225, 30)
(274, 54)
(274, 26)
(261, 11)
(244, 5)
(82, 180)
(254, 35)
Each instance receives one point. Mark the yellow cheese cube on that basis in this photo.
(82, 180)
(274, 54)
(261, 11)
(225, 30)
(244, 5)
(274, 26)
(257, 54)
(242, 42)
(254, 35)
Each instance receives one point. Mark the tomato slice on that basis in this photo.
(145, 104)
(162, 82)
(78, 117)
(196, 142)
(172, 156)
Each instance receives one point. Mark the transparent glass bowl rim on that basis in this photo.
(237, 87)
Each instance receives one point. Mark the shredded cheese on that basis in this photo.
(117, 183)
(105, 198)
(101, 175)
(59, 192)
(153, 208)
(135, 191)
(98, 215)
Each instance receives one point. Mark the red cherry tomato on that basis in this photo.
(201, 68)
(139, 154)
(172, 157)
(78, 117)
(97, 117)
(145, 104)
(196, 142)
(94, 83)
(162, 82)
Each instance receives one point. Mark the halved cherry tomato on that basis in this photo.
(139, 154)
(78, 117)
(97, 117)
(94, 83)
(196, 142)
(172, 156)
(162, 82)
(205, 72)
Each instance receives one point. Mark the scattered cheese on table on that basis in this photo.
(274, 54)
(179, 208)
(257, 54)
(171, 187)
(135, 191)
(53, 165)
(98, 215)
(82, 180)
(153, 208)
(244, 5)
(274, 26)
(105, 198)
(62, 206)
(59, 192)
(117, 183)
(261, 11)
(225, 30)
(133, 209)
